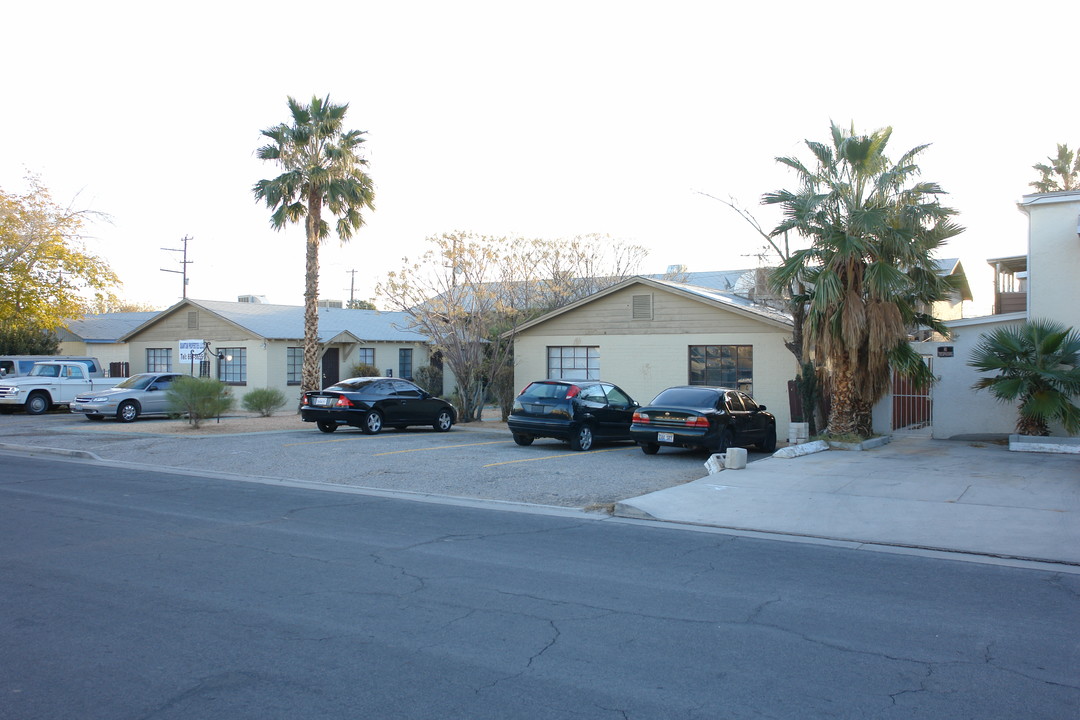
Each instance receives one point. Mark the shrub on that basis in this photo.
(198, 398)
(430, 378)
(263, 401)
(364, 370)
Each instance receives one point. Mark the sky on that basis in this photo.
(547, 120)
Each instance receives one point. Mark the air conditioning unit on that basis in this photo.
(330, 303)
(251, 299)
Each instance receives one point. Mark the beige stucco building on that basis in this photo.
(645, 335)
(1053, 256)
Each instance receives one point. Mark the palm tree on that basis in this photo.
(322, 168)
(869, 272)
(1066, 166)
(1037, 363)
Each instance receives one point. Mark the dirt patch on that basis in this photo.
(231, 423)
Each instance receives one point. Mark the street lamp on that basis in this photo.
(204, 354)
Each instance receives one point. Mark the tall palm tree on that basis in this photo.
(322, 168)
(1063, 172)
(869, 273)
(1037, 363)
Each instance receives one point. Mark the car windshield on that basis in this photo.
(45, 371)
(135, 382)
(686, 397)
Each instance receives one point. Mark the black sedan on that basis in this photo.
(371, 403)
(698, 416)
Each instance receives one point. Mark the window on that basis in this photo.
(294, 365)
(232, 365)
(158, 359)
(365, 355)
(404, 356)
(729, 366)
(573, 363)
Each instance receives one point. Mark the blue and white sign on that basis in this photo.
(191, 349)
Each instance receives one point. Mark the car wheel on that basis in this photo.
(650, 448)
(727, 439)
(94, 417)
(326, 426)
(37, 403)
(372, 423)
(582, 439)
(523, 439)
(769, 445)
(444, 420)
(127, 411)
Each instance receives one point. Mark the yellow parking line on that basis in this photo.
(441, 447)
(550, 457)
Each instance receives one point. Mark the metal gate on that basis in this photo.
(912, 406)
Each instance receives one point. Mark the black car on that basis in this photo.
(371, 403)
(576, 411)
(699, 416)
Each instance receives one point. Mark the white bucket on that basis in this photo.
(734, 459)
(798, 433)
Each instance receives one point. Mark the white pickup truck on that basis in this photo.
(49, 384)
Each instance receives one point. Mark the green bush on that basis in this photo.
(198, 398)
(364, 370)
(430, 378)
(264, 401)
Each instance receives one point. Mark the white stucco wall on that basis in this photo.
(1053, 256)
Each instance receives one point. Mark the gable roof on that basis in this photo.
(103, 328)
(286, 322)
(724, 300)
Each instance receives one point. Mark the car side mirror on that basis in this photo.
(762, 407)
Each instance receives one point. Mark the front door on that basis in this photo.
(331, 368)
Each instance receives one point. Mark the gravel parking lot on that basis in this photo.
(478, 460)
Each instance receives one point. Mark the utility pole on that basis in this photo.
(352, 286)
(183, 264)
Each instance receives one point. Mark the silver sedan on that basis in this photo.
(142, 394)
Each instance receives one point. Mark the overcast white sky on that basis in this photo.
(538, 119)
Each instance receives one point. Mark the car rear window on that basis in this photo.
(355, 385)
(687, 397)
(545, 391)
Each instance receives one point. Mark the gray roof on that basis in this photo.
(104, 328)
(286, 322)
(715, 279)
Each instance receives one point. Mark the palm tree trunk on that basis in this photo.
(311, 375)
(842, 414)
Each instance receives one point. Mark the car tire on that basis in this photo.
(443, 421)
(326, 426)
(769, 444)
(582, 439)
(37, 403)
(650, 448)
(94, 417)
(727, 439)
(372, 423)
(128, 411)
(523, 440)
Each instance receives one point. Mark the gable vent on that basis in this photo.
(642, 307)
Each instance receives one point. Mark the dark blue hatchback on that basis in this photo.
(579, 412)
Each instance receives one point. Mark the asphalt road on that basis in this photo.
(137, 594)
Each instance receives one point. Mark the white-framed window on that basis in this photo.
(573, 362)
(294, 365)
(365, 356)
(158, 359)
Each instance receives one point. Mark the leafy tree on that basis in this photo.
(28, 341)
(1063, 172)
(104, 305)
(1038, 364)
(46, 272)
(322, 169)
(470, 293)
(198, 398)
(869, 271)
(360, 305)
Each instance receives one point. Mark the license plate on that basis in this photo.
(665, 437)
(323, 401)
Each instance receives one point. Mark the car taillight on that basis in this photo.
(697, 421)
(303, 400)
(343, 402)
(572, 391)
(641, 418)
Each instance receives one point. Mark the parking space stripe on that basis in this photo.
(562, 455)
(440, 447)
